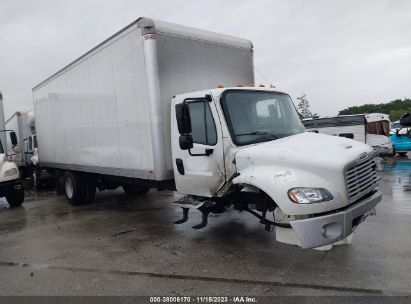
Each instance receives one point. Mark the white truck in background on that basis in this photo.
(18, 122)
(25, 153)
(10, 183)
(372, 129)
(141, 111)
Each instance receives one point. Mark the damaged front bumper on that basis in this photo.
(330, 228)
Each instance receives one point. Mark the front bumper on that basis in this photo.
(6, 187)
(333, 227)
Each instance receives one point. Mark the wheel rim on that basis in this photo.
(69, 188)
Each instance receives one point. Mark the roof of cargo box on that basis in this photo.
(152, 26)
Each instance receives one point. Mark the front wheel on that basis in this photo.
(15, 197)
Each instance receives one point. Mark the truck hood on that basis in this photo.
(305, 151)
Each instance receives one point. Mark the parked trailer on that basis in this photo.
(137, 111)
(372, 129)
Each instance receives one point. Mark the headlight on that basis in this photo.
(10, 172)
(309, 195)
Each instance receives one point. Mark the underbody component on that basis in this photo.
(205, 206)
(266, 222)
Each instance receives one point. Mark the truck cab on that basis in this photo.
(247, 148)
(10, 183)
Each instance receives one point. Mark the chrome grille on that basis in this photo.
(360, 178)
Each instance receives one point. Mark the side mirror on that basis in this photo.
(186, 142)
(13, 138)
(183, 118)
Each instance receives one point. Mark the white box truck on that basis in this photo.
(141, 110)
(10, 183)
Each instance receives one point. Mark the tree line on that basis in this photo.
(395, 108)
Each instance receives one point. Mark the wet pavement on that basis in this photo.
(130, 246)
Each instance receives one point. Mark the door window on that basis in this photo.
(202, 123)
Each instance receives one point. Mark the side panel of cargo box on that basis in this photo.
(93, 115)
(194, 60)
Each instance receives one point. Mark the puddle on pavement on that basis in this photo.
(395, 183)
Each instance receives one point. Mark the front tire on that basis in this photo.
(15, 197)
(134, 190)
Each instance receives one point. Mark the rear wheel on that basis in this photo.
(134, 190)
(74, 188)
(15, 197)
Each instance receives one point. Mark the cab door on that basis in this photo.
(199, 169)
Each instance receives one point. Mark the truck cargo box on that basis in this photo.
(108, 112)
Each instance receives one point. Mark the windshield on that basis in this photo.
(256, 116)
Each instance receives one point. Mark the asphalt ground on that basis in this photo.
(130, 246)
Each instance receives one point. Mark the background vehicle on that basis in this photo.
(372, 129)
(137, 111)
(19, 123)
(10, 183)
(401, 135)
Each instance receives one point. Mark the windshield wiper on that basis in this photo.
(259, 133)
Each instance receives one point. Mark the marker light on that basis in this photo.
(261, 86)
(220, 86)
(239, 85)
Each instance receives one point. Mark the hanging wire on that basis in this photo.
(262, 76)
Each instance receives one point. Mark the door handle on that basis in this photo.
(207, 152)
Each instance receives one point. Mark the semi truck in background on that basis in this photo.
(372, 129)
(10, 183)
(25, 153)
(19, 123)
(141, 110)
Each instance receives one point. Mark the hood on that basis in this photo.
(303, 151)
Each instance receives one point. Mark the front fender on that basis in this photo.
(276, 181)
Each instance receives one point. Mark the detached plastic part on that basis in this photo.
(405, 120)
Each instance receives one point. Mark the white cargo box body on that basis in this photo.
(108, 112)
(18, 124)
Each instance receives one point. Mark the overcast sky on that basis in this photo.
(340, 53)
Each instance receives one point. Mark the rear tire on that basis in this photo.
(15, 197)
(74, 188)
(134, 190)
